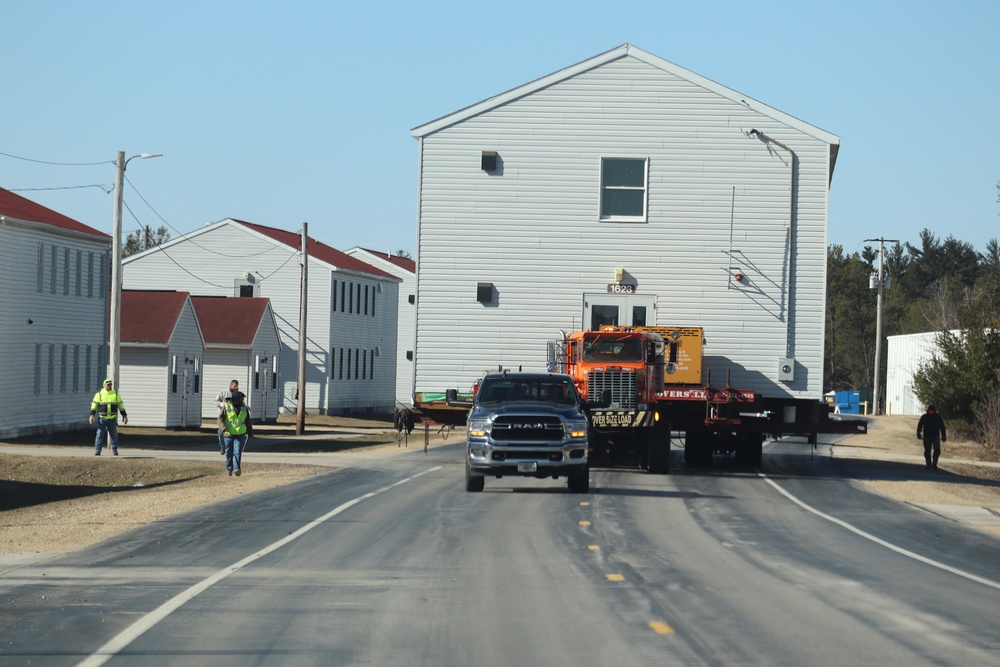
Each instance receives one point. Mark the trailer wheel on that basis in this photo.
(697, 449)
(750, 451)
(579, 482)
(659, 458)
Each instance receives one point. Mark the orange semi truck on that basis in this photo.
(652, 382)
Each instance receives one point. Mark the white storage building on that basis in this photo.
(241, 343)
(405, 269)
(351, 326)
(161, 351)
(906, 354)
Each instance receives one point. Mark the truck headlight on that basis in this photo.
(478, 428)
(577, 429)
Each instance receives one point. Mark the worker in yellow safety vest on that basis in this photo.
(105, 408)
(234, 421)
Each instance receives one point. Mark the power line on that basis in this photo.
(57, 164)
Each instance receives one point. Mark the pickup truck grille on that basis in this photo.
(520, 428)
(622, 386)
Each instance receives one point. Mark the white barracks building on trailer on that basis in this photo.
(627, 190)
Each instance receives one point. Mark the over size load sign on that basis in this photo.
(621, 418)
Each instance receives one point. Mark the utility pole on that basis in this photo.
(300, 413)
(880, 287)
(115, 337)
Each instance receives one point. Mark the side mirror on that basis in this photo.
(451, 399)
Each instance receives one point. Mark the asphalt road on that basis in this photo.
(391, 562)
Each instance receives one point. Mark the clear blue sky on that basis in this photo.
(284, 112)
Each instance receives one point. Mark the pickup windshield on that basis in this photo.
(558, 391)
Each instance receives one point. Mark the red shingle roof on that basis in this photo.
(227, 320)
(318, 250)
(404, 263)
(16, 206)
(150, 316)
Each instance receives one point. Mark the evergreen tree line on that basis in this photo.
(934, 285)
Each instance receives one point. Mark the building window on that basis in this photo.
(38, 368)
(66, 257)
(333, 308)
(63, 371)
(623, 189)
(364, 364)
(90, 274)
(76, 367)
(79, 272)
(371, 370)
(340, 366)
(54, 268)
(343, 286)
(52, 368)
(366, 299)
(41, 266)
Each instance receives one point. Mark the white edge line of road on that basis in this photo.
(879, 541)
(133, 632)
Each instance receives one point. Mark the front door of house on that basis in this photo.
(623, 310)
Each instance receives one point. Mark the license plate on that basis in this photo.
(527, 466)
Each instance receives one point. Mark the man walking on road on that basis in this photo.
(234, 418)
(105, 407)
(931, 430)
(224, 397)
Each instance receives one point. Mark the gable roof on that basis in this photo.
(404, 263)
(229, 320)
(623, 51)
(17, 207)
(150, 316)
(316, 249)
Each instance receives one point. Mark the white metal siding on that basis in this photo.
(145, 386)
(54, 316)
(532, 228)
(906, 354)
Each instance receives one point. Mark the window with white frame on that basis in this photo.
(623, 189)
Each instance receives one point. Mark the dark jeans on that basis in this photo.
(932, 446)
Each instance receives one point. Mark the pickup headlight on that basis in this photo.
(478, 428)
(577, 429)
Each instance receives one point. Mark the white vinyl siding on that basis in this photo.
(718, 199)
(42, 323)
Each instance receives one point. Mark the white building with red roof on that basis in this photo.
(405, 269)
(53, 317)
(161, 359)
(351, 307)
(241, 343)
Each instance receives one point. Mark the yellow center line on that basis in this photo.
(584, 523)
(594, 547)
(661, 628)
(616, 577)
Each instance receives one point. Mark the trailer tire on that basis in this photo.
(697, 449)
(659, 459)
(579, 482)
(751, 450)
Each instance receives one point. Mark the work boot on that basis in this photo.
(97, 453)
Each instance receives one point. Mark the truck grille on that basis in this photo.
(519, 428)
(622, 386)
